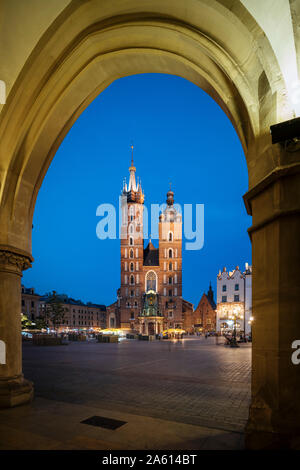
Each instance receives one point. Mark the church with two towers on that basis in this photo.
(150, 296)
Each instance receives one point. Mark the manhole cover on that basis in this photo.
(102, 422)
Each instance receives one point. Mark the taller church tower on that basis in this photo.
(132, 248)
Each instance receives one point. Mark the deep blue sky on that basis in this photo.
(180, 134)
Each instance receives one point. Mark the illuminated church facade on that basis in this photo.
(150, 296)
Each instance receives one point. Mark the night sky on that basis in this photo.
(180, 135)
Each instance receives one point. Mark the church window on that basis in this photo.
(170, 280)
(170, 292)
(170, 236)
(131, 279)
(131, 267)
(150, 281)
(170, 266)
(131, 241)
(170, 253)
(131, 254)
(131, 293)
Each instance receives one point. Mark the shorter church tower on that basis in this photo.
(170, 255)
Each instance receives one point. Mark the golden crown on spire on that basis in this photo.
(132, 167)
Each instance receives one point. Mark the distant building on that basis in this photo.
(78, 315)
(30, 305)
(205, 313)
(234, 299)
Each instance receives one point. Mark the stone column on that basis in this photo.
(14, 389)
(274, 419)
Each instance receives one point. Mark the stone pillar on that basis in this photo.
(274, 419)
(14, 389)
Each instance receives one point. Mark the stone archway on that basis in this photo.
(77, 53)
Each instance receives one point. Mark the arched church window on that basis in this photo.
(131, 255)
(170, 266)
(131, 279)
(131, 267)
(131, 241)
(151, 281)
(170, 236)
(170, 253)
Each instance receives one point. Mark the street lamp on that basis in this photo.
(233, 316)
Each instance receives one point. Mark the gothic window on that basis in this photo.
(150, 281)
(131, 267)
(170, 236)
(131, 279)
(131, 254)
(170, 253)
(170, 292)
(131, 212)
(131, 241)
(170, 280)
(170, 266)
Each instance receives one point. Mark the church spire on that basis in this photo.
(170, 197)
(132, 183)
(133, 189)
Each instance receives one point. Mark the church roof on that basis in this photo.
(151, 255)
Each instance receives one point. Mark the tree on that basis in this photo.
(26, 323)
(54, 310)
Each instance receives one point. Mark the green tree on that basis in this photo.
(25, 322)
(41, 322)
(55, 311)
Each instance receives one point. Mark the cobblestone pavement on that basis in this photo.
(193, 381)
